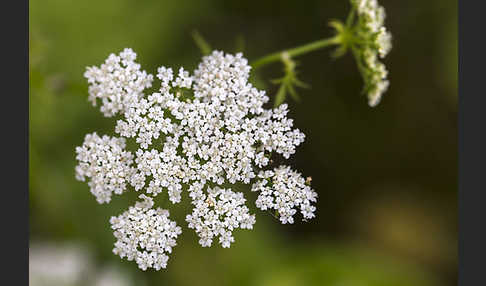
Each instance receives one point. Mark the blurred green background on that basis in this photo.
(386, 177)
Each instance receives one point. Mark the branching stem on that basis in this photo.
(294, 52)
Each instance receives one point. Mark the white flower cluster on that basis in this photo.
(217, 214)
(284, 190)
(221, 134)
(145, 235)
(377, 43)
(118, 82)
(106, 163)
(208, 128)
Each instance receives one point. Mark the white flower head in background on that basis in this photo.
(200, 134)
(111, 275)
(373, 41)
(58, 264)
(71, 263)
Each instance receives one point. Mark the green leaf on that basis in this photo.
(293, 93)
(300, 83)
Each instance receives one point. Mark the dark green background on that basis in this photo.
(386, 177)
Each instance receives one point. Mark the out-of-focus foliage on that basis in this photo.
(386, 177)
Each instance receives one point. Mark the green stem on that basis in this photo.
(350, 19)
(294, 52)
(201, 43)
(359, 63)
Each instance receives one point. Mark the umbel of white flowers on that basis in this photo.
(195, 134)
(373, 41)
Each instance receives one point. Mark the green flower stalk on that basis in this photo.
(363, 33)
